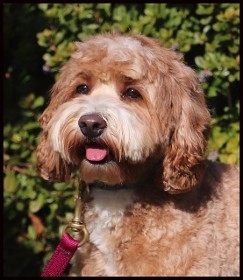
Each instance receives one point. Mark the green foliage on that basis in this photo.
(38, 39)
(34, 217)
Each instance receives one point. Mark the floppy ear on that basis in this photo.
(50, 165)
(183, 164)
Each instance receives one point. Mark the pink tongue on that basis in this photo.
(96, 154)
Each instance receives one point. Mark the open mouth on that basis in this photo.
(96, 153)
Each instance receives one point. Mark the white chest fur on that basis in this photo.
(106, 210)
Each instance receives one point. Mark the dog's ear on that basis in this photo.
(183, 164)
(183, 115)
(50, 165)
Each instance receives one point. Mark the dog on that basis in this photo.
(130, 117)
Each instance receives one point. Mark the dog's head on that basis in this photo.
(122, 107)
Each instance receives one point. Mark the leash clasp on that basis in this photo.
(77, 225)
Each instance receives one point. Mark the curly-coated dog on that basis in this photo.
(130, 118)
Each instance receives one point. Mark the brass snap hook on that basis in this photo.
(77, 225)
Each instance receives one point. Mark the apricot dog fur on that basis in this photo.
(130, 118)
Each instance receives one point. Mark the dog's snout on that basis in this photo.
(92, 125)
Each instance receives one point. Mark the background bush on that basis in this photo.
(38, 39)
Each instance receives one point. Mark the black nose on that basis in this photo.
(92, 125)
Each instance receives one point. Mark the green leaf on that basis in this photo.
(222, 139)
(7, 130)
(43, 6)
(220, 26)
(60, 186)
(15, 147)
(233, 144)
(31, 232)
(39, 247)
(93, 26)
(16, 138)
(163, 11)
(119, 12)
(106, 7)
(39, 101)
(233, 49)
(10, 183)
(36, 205)
(200, 61)
(205, 9)
(20, 206)
(5, 144)
(30, 126)
(47, 57)
(25, 154)
(206, 20)
(231, 78)
(212, 92)
(53, 208)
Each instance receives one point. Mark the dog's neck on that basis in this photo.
(104, 186)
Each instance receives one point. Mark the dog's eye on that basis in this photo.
(132, 93)
(83, 89)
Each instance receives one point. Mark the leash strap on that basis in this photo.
(61, 257)
(67, 246)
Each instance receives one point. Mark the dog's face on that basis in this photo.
(123, 106)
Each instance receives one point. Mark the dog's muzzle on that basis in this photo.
(92, 126)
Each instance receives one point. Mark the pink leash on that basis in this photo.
(67, 246)
(61, 257)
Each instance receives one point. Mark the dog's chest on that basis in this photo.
(103, 216)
